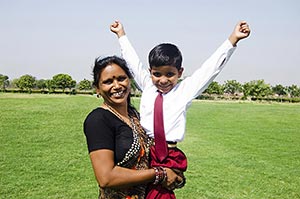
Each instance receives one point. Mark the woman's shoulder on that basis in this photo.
(98, 114)
(97, 111)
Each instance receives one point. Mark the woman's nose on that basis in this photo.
(116, 84)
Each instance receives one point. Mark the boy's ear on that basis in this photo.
(180, 71)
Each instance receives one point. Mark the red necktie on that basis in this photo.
(159, 132)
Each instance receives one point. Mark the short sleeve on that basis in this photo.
(99, 134)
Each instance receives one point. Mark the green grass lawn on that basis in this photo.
(234, 149)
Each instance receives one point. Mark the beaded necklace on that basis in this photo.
(135, 146)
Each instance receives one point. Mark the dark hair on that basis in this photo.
(101, 63)
(165, 54)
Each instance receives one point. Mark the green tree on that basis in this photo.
(26, 82)
(14, 82)
(85, 85)
(4, 82)
(294, 90)
(256, 88)
(63, 81)
(232, 87)
(246, 88)
(41, 84)
(279, 90)
(72, 84)
(50, 85)
(214, 88)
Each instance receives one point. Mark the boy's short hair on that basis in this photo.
(165, 54)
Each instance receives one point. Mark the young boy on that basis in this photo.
(165, 70)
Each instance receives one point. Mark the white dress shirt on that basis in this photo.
(175, 102)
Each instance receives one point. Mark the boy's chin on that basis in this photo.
(164, 91)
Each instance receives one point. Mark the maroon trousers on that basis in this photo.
(176, 159)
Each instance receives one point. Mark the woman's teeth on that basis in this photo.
(118, 94)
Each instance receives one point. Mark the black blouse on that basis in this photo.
(104, 130)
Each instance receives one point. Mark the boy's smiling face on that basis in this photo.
(165, 77)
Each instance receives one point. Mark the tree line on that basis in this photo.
(28, 83)
(254, 90)
(231, 89)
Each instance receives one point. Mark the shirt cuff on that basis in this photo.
(123, 39)
(228, 44)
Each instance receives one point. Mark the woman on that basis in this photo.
(117, 144)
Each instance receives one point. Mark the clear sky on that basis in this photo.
(46, 37)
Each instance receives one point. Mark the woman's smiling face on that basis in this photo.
(114, 85)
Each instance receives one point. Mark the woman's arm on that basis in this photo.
(110, 175)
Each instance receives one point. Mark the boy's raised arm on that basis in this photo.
(140, 73)
(208, 71)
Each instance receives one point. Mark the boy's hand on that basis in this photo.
(173, 179)
(117, 28)
(240, 31)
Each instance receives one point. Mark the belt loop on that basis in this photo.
(171, 144)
